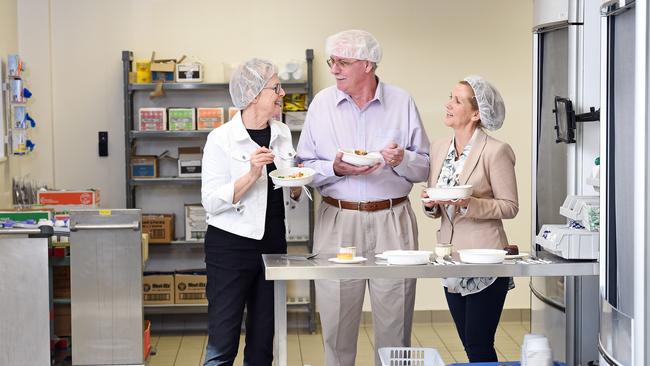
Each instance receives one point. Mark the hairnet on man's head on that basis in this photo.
(248, 80)
(356, 44)
(491, 107)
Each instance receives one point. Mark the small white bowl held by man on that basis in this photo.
(292, 177)
(360, 157)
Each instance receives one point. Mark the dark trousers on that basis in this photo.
(236, 280)
(477, 317)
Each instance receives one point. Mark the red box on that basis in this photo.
(69, 199)
(147, 338)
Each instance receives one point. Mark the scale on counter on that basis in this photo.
(579, 238)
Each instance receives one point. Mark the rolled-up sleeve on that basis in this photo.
(415, 166)
(217, 185)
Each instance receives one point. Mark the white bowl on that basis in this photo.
(369, 159)
(292, 182)
(449, 193)
(407, 257)
(482, 256)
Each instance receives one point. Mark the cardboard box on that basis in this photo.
(61, 282)
(145, 248)
(62, 320)
(190, 288)
(158, 289)
(189, 161)
(189, 72)
(144, 166)
(62, 200)
(195, 222)
(152, 119)
(182, 119)
(209, 118)
(25, 214)
(160, 227)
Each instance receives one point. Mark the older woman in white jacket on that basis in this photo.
(245, 215)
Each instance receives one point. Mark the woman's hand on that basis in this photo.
(260, 158)
(429, 204)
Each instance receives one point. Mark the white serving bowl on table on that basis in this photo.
(448, 193)
(292, 182)
(369, 159)
(407, 257)
(482, 256)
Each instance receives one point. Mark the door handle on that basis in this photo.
(135, 225)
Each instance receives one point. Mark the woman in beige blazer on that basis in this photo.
(471, 156)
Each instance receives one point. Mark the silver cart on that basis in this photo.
(106, 287)
(24, 303)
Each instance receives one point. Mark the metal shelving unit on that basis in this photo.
(181, 254)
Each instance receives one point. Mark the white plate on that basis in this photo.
(517, 256)
(449, 193)
(370, 159)
(347, 261)
(482, 256)
(292, 182)
(407, 257)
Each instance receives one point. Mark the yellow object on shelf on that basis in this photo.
(143, 72)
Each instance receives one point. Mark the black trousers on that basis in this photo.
(236, 281)
(477, 317)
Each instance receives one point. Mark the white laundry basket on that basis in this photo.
(408, 356)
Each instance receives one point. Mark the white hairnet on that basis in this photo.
(248, 79)
(356, 44)
(490, 104)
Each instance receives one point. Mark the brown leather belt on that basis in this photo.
(365, 206)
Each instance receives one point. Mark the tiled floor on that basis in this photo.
(307, 349)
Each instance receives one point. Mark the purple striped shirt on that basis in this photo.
(334, 121)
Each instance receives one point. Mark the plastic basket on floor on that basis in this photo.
(409, 356)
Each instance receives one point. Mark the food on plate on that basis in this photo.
(511, 249)
(360, 152)
(345, 256)
(297, 175)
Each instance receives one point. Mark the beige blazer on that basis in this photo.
(490, 169)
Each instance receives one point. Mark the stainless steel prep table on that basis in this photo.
(280, 269)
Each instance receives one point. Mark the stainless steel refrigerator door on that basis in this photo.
(24, 303)
(106, 287)
(617, 281)
(550, 183)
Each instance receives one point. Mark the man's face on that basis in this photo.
(348, 72)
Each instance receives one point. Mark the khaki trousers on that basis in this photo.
(340, 302)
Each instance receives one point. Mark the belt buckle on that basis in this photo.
(361, 203)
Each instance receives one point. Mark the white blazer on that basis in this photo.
(226, 157)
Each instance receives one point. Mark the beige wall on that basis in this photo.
(428, 46)
(8, 44)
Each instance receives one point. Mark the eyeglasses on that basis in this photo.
(277, 88)
(342, 63)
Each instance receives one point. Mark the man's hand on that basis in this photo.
(342, 168)
(393, 154)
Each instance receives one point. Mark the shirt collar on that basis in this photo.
(379, 94)
(466, 148)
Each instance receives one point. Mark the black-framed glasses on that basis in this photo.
(342, 63)
(277, 88)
